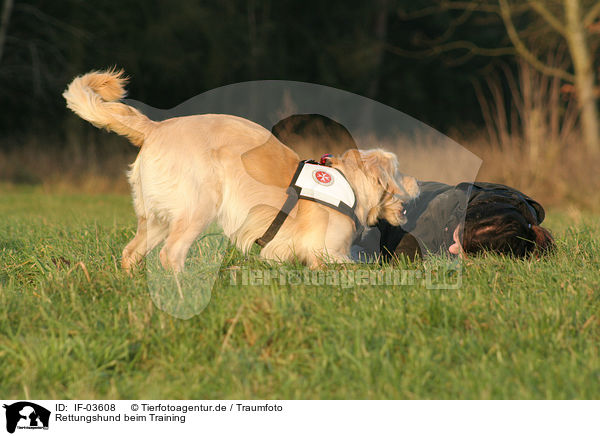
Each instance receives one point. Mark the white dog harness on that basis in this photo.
(319, 183)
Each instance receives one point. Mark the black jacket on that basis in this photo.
(433, 216)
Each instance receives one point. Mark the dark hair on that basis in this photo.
(502, 228)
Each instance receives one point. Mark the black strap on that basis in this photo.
(348, 211)
(293, 194)
(280, 217)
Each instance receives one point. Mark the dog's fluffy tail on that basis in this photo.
(94, 97)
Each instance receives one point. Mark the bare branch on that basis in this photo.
(460, 60)
(454, 23)
(431, 10)
(523, 51)
(448, 6)
(477, 6)
(454, 45)
(592, 14)
(545, 13)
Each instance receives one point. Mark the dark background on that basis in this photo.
(174, 50)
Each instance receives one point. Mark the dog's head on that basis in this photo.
(380, 189)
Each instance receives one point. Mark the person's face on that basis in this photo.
(456, 248)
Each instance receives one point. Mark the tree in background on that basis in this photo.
(573, 22)
(532, 27)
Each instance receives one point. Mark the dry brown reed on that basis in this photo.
(532, 140)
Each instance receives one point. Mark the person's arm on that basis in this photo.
(429, 216)
(366, 247)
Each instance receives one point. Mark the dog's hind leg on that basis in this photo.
(150, 232)
(182, 234)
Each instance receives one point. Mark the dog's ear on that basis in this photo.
(353, 158)
(383, 165)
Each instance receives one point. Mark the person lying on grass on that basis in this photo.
(484, 216)
(497, 219)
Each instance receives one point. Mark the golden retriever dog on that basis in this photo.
(193, 170)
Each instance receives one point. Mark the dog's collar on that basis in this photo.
(326, 159)
(298, 189)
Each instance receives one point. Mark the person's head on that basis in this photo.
(500, 228)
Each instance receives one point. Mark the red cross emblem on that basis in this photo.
(322, 177)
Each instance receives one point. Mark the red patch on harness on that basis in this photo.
(322, 177)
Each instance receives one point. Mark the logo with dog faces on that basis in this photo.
(322, 177)
(25, 415)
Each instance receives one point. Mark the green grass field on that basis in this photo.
(73, 325)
